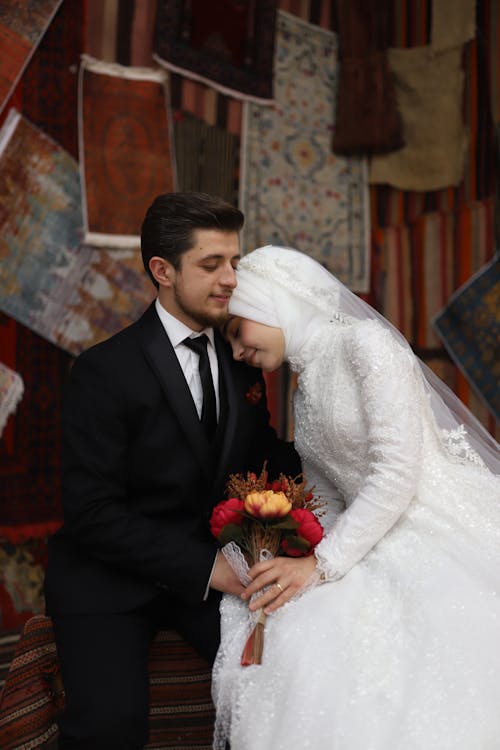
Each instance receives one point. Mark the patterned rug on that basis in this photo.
(470, 329)
(49, 84)
(8, 642)
(73, 296)
(227, 45)
(181, 713)
(22, 24)
(11, 391)
(126, 158)
(30, 448)
(294, 190)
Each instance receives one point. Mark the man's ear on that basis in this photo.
(162, 271)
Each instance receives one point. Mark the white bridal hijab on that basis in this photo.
(287, 289)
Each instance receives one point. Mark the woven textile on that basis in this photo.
(22, 24)
(49, 83)
(8, 641)
(40, 219)
(294, 191)
(73, 296)
(419, 266)
(206, 157)
(470, 328)
(181, 713)
(424, 262)
(411, 26)
(429, 89)
(453, 23)
(227, 45)
(125, 149)
(121, 32)
(367, 120)
(33, 692)
(96, 295)
(22, 571)
(11, 391)
(30, 448)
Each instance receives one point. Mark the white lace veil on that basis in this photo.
(287, 289)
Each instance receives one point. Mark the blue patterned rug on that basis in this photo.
(294, 191)
(470, 329)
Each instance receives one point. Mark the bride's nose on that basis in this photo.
(238, 350)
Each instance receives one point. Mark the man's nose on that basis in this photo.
(228, 278)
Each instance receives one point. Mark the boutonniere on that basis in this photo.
(254, 393)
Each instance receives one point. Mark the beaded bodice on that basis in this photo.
(365, 433)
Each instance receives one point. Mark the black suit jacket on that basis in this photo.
(139, 476)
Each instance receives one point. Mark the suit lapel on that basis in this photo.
(162, 358)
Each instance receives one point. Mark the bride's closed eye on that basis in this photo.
(231, 329)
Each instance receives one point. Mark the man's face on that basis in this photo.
(200, 289)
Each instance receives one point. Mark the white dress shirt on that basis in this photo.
(188, 360)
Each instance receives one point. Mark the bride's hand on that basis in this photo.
(283, 575)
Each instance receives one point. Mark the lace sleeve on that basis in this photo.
(384, 373)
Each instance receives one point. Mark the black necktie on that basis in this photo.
(209, 411)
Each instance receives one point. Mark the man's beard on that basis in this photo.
(203, 319)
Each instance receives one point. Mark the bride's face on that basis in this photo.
(256, 344)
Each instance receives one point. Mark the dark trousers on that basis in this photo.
(104, 666)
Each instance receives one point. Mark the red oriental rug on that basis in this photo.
(49, 85)
(228, 45)
(29, 473)
(31, 442)
(22, 24)
(125, 149)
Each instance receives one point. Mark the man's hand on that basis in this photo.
(284, 576)
(224, 578)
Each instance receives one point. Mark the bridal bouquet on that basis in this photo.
(261, 520)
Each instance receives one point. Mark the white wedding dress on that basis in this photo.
(400, 648)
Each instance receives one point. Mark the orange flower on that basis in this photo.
(267, 504)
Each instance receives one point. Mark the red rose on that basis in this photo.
(225, 513)
(309, 531)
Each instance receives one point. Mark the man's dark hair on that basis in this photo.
(171, 220)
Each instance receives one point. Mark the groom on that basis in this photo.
(155, 419)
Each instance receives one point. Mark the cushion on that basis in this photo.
(181, 713)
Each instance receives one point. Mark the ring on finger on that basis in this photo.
(279, 586)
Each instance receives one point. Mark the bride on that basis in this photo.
(388, 638)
